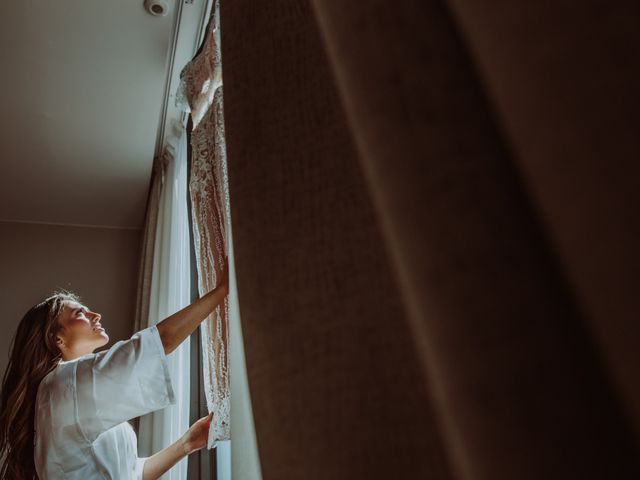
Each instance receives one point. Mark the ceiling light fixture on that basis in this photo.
(157, 8)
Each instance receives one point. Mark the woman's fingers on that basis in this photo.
(208, 418)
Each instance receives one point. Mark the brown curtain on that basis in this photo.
(435, 232)
(145, 266)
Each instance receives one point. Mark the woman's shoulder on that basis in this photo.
(62, 376)
(56, 376)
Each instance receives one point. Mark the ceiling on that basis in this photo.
(87, 88)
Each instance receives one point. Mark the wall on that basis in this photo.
(99, 264)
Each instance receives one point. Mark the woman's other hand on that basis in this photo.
(196, 437)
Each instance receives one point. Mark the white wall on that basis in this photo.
(99, 264)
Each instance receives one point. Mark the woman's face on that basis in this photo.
(80, 330)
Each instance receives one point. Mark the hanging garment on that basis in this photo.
(201, 94)
(82, 408)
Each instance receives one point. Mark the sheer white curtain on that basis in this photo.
(170, 291)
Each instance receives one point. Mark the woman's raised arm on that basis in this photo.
(174, 329)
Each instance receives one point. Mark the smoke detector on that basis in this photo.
(157, 8)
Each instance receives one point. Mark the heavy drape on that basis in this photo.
(145, 266)
(435, 232)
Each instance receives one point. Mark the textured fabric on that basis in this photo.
(208, 189)
(139, 471)
(435, 232)
(335, 385)
(566, 94)
(83, 407)
(495, 319)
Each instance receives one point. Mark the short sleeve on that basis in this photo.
(140, 468)
(128, 380)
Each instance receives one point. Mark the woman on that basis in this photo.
(64, 408)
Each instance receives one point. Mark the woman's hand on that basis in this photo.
(196, 437)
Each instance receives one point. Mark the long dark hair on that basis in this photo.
(34, 353)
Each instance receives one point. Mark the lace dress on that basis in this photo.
(201, 95)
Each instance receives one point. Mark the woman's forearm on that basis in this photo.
(156, 465)
(174, 329)
(193, 440)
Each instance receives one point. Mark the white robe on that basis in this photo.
(82, 408)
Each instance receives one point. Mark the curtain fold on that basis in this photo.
(565, 95)
(169, 291)
(147, 246)
(201, 95)
(510, 314)
(435, 236)
(336, 388)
